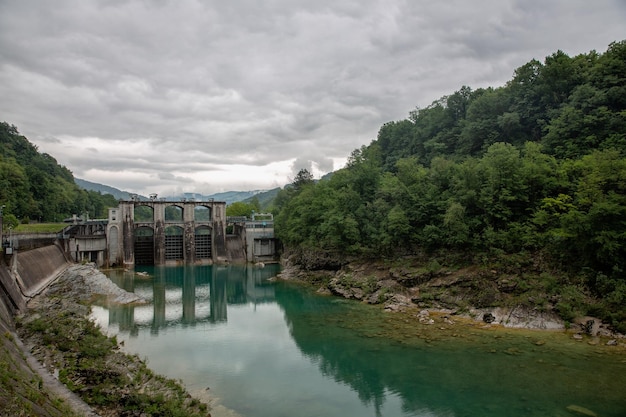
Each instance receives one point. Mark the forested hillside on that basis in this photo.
(34, 187)
(537, 166)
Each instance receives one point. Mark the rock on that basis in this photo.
(507, 284)
(378, 297)
(489, 318)
(589, 325)
(577, 336)
(581, 411)
(324, 291)
(357, 293)
(611, 342)
(392, 307)
(526, 317)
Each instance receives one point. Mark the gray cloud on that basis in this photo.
(163, 95)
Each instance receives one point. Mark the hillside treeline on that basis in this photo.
(535, 166)
(34, 187)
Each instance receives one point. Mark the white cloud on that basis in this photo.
(209, 96)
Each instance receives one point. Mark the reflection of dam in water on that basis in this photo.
(308, 355)
(188, 295)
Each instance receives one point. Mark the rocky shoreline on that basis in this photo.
(57, 331)
(439, 296)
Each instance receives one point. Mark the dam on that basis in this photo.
(159, 232)
(166, 232)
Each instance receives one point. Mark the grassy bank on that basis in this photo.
(21, 389)
(90, 364)
(39, 228)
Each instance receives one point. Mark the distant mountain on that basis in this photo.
(104, 189)
(264, 196)
(228, 196)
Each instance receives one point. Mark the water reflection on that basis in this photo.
(447, 371)
(189, 295)
(270, 349)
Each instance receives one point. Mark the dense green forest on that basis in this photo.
(34, 187)
(536, 166)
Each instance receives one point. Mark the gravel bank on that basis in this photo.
(72, 351)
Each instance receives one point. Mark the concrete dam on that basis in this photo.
(171, 233)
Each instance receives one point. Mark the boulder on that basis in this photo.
(489, 318)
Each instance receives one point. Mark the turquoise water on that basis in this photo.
(262, 348)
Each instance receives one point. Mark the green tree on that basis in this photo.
(241, 209)
(303, 179)
(503, 195)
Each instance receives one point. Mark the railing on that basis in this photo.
(236, 219)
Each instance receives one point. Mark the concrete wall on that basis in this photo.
(11, 297)
(28, 241)
(34, 269)
(88, 248)
(25, 273)
(235, 249)
(260, 241)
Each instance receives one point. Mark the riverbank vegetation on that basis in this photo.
(530, 173)
(21, 389)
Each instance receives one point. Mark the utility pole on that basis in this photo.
(1, 210)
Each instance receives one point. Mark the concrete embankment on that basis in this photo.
(26, 273)
(36, 268)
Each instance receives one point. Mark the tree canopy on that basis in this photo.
(33, 186)
(535, 165)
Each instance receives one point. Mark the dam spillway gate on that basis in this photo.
(166, 232)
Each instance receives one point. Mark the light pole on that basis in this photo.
(1, 210)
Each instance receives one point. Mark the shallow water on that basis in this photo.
(266, 348)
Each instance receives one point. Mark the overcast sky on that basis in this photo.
(171, 96)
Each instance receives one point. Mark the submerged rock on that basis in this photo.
(581, 411)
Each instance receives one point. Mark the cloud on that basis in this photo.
(152, 96)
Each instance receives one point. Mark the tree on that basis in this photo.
(503, 192)
(303, 178)
(241, 209)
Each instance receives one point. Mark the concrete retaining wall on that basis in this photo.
(10, 294)
(36, 268)
(25, 273)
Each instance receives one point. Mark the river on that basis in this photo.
(262, 348)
